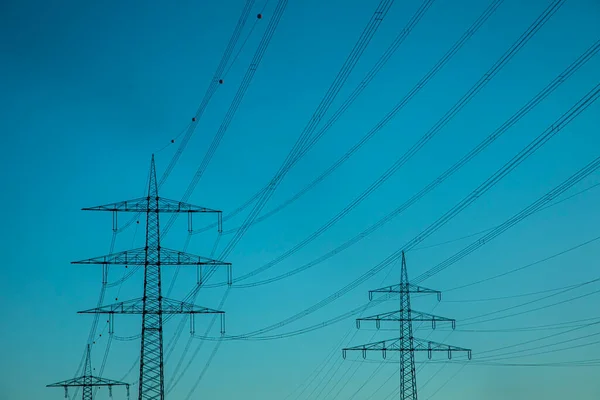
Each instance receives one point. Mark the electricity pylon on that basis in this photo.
(87, 382)
(406, 344)
(152, 257)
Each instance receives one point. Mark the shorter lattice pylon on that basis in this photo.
(88, 381)
(406, 345)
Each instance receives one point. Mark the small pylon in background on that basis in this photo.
(87, 382)
(406, 344)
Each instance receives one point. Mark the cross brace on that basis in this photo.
(395, 345)
(400, 315)
(405, 288)
(159, 204)
(138, 257)
(135, 306)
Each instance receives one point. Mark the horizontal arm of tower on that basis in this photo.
(138, 257)
(141, 205)
(136, 306)
(398, 316)
(400, 289)
(88, 381)
(398, 344)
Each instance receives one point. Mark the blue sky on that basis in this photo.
(90, 91)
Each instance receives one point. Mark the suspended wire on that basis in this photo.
(130, 369)
(212, 88)
(405, 157)
(258, 55)
(104, 359)
(557, 191)
(210, 91)
(572, 364)
(531, 301)
(583, 104)
(502, 357)
(559, 325)
(322, 108)
(361, 387)
(190, 130)
(532, 310)
(128, 338)
(214, 84)
(339, 361)
(397, 370)
(92, 335)
(413, 150)
(340, 111)
(340, 79)
(256, 22)
(525, 266)
(175, 381)
(93, 329)
(489, 229)
(320, 325)
(179, 329)
(208, 362)
(515, 296)
(319, 370)
(593, 50)
(533, 341)
(447, 381)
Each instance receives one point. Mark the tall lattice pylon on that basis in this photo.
(88, 381)
(152, 306)
(406, 344)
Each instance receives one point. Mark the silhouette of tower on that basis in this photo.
(406, 344)
(87, 382)
(152, 257)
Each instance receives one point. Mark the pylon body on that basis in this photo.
(406, 345)
(152, 257)
(151, 358)
(87, 381)
(408, 376)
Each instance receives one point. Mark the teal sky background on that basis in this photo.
(90, 90)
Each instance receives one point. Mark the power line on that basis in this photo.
(342, 109)
(590, 52)
(359, 48)
(258, 55)
(561, 188)
(555, 255)
(322, 108)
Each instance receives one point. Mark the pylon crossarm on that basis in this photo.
(88, 381)
(396, 345)
(136, 306)
(400, 315)
(403, 289)
(141, 205)
(138, 257)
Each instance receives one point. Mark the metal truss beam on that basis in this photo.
(141, 205)
(400, 316)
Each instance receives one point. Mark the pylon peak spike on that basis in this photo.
(152, 183)
(88, 361)
(404, 272)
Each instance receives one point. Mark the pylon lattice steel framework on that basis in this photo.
(152, 257)
(87, 382)
(406, 344)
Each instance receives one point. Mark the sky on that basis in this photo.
(89, 91)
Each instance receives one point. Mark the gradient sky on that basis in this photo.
(90, 90)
